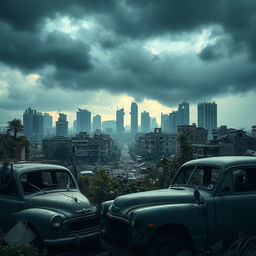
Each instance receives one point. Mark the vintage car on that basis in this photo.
(46, 200)
(209, 200)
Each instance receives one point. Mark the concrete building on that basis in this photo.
(47, 120)
(226, 142)
(173, 122)
(155, 144)
(134, 118)
(83, 119)
(145, 122)
(195, 135)
(62, 125)
(88, 149)
(207, 116)
(120, 123)
(96, 123)
(109, 127)
(165, 126)
(33, 125)
(3, 129)
(50, 145)
(183, 114)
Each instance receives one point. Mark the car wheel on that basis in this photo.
(165, 246)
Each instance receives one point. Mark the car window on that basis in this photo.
(47, 179)
(8, 185)
(244, 179)
(201, 176)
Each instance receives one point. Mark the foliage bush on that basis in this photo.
(19, 249)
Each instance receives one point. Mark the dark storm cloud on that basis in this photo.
(29, 51)
(122, 64)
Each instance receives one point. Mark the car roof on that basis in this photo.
(224, 161)
(24, 167)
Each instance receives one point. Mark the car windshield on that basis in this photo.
(43, 180)
(200, 176)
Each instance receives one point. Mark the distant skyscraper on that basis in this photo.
(173, 121)
(83, 118)
(153, 123)
(62, 125)
(109, 126)
(183, 114)
(96, 123)
(134, 118)
(165, 122)
(145, 122)
(120, 122)
(33, 125)
(207, 116)
(47, 124)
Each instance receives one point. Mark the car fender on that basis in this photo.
(151, 219)
(39, 221)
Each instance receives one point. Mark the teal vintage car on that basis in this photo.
(209, 200)
(47, 200)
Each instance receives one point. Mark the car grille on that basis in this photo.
(116, 232)
(84, 224)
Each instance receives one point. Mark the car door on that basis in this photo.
(9, 201)
(236, 204)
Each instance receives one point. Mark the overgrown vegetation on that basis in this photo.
(19, 249)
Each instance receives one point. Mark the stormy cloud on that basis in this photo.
(163, 50)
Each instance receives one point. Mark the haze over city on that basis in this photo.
(101, 56)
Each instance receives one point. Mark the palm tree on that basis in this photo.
(14, 127)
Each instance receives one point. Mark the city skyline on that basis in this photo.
(71, 116)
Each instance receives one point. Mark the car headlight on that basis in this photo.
(134, 219)
(56, 221)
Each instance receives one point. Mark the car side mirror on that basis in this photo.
(225, 189)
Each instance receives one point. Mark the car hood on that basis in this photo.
(122, 205)
(71, 204)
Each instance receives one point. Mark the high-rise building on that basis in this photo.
(153, 123)
(120, 123)
(183, 114)
(33, 125)
(134, 118)
(47, 125)
(96, 123)
(207, 116)
(165, 122)
(109, 127)
(62, 125)
(173, 121)
(145, 122)
(83, 118)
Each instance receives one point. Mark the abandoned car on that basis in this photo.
(209, 200)
(43, 201)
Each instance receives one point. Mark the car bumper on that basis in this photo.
(74, 239)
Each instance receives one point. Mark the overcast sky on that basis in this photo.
(103, 54)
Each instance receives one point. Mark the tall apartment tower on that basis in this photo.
(145, 122)
(173, 121)
(83, 119)
(153, 123)
(165, 122)
(47, 124)
(120, 122)
(134, 118)
(207, 116)
(183, 114)
(96, 123)
(33, 125)
(62, 125)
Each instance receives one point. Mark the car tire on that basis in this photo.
(165, 246)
